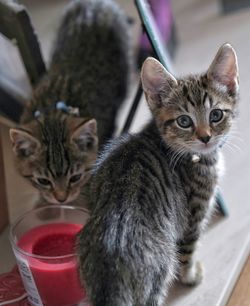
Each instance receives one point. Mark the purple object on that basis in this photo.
(161, 10)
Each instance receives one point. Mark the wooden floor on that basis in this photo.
(241, 293)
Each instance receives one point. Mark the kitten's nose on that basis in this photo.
(60, 196)
(205, 139)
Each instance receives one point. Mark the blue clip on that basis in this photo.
(62, 106)
(37, 114)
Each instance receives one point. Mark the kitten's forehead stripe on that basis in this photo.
(77, 167)
(46, 172)
(205, 97)
(58, 161)
(190, 101)
(66, 156)
(40, 172)
(211, 101)
(48, 166)
(195, 94)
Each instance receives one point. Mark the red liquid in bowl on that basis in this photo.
(56, 279)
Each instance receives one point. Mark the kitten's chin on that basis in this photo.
(53, 201)
(204, 149)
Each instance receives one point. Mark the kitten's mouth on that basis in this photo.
(204, 148)
(211, 146)
(66, 201)
(54, 201)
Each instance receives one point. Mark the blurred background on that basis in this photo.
(192, 32)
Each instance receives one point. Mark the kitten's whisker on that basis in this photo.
(180, 153)
(236, 137)
(174, 156)
(179, 158)
(227, 146)
(231, 138)
(234, 148)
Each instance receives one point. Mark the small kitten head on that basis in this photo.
(194, 114)
(56, 154)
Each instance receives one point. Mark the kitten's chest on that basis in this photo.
(199, 180)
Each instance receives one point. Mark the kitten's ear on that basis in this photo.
(85, 135)
(24, 144)
(156, 81)
(223, 72)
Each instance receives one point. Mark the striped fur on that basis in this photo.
(150, 204)
(89, 71)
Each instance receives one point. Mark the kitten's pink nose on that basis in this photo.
(204, 134)
(60, 196)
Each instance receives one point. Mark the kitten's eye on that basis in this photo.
(216, 115)
(184, 121)
(75, 178)
(44, 182)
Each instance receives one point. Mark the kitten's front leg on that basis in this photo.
(191, 271)
(200, 209)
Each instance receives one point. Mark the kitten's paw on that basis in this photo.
(192, 276)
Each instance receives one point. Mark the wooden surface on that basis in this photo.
(241, 293)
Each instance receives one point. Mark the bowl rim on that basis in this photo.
(17, 250)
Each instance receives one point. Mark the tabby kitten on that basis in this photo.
(54, 146)
(151, 199)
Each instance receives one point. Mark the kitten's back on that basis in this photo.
(128, 225)
(93, 46)
(91, 29)
(90, 64)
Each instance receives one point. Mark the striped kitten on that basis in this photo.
(151, 200)
(54, 148)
